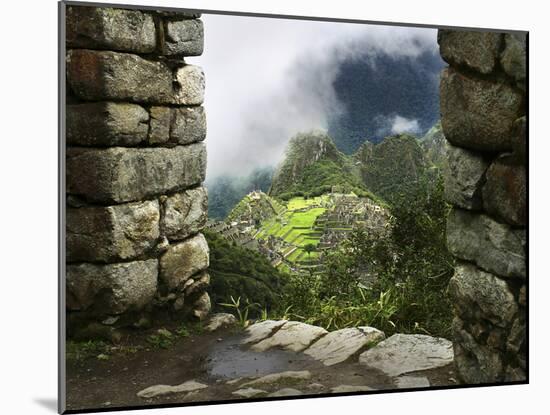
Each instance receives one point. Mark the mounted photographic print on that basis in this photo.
(261, 207)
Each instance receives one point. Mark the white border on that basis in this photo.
(29, 209)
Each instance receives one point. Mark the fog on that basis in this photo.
(267, 79)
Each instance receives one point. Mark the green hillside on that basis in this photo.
(240, 272)
(313, 166)
(392, 167)
(435, 146)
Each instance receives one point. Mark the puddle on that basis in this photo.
(227, 359)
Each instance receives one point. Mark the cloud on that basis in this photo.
(404, 125)
(267, 79)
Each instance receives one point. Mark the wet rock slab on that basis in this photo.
(285, 392)
(404, 353)
(338, 346)
(293, 335)
(260, 331)
(248, 392)
(290, 375)
(159, 390)
(404, 382)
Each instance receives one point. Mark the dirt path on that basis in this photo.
(212, 359)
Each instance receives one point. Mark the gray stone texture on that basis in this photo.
(183, 37)
(196, 284)
(482, 96)
(475, 362)
(464, 175)
(111, 288)
(109, 28)
(476, 113)
(118, 175)
(293, 336)
(338, 346)
(105, 75)
(505, 191)
(159, 132)
(514, 55)
(100, 124)
(405, 353)
(480, 295)
(202, 306)
(113, 233)
(183, 260)
(190, 85)
(184, 125)
(184, 213)
(135, 165)
(188, 125)
(476, 50)
(493, 246)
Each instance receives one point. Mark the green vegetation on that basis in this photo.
(313, 166)
(323, 177)
(412, 268)
(79, 351)
(395, 281)
(434, 146)
(258, 209)
(395, 166)
(242, 310)
(240, 272)
(296, 226)
(224, 192)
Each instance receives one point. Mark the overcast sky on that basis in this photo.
(267, 79)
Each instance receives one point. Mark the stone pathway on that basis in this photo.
(351, 356)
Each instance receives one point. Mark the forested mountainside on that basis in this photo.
(312, 166)
(224, 192)
(393, 166)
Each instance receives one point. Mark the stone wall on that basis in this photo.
(135, 165)
(483, 114)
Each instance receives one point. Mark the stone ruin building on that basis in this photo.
(135, 163)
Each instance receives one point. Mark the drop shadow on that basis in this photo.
(48, 403)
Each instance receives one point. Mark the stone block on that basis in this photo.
(177, 125)
(184, 213)
(190, 85)
(478, 114)
(113, 233)
(188, 125)
(118, 175)
(108, 28)
(493, 246)
(201, 307)
(505, 191)
(474, 362)
(464, 175)
(104, 75)
(183, 260)
(113, 288)
(159, 132)
(477, 50)
(514, 56)
(479, 293)
(183, 37)
(106, 124)
(197, 284)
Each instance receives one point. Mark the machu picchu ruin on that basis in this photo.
(293, 235)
